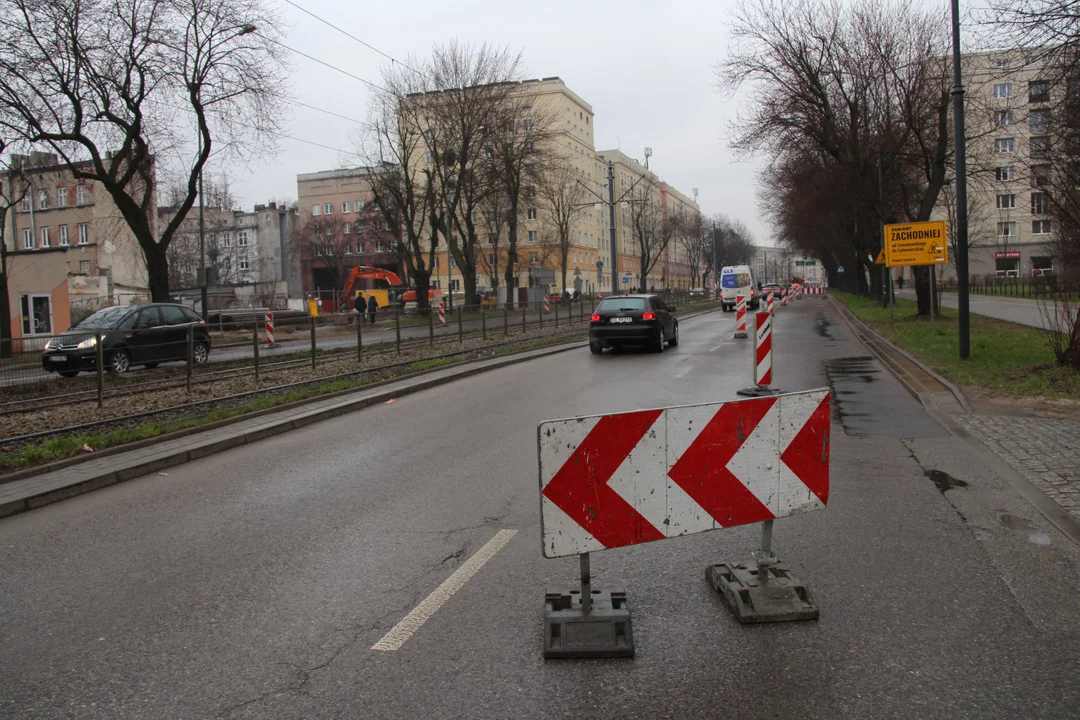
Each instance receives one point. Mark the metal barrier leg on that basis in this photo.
(587, 623)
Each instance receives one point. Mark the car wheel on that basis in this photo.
(595, 348)
(68, 373)
(200, 353)
(674, 342)
(659, 347)
(119, 362)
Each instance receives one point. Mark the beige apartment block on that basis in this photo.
(69, 250)
(1011, 132)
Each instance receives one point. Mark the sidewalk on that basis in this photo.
(1023, 311)
(1039, 456)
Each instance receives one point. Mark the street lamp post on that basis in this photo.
(611, 221)
(960, 146)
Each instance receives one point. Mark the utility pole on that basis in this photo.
(203, 294)
(960, 147)
(715, 261)
(611, 220)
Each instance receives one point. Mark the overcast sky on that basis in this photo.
(645, 67)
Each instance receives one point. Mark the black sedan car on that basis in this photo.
(130, 335)
(644, 320)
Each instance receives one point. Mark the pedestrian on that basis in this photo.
(372, 307)
(900, 282)
(360, 303)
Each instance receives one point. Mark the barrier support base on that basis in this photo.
(782, 599)
(602, 632)
(759, 391)
(740, 335)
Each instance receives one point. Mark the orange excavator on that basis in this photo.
(397, 292)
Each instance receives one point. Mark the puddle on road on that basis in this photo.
(944, 481)
(846, 377)
(1025, 527)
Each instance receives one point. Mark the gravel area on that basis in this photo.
(271, 378)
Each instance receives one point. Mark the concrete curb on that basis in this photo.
(36, 489)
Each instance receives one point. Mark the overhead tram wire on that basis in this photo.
(370, 84)
(368, 45)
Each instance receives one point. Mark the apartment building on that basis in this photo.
(68, 249)
(245, 253)
(338, 228)
(1010, 133)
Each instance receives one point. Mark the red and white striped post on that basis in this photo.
(547, 308)
(740, 316)
(783, 297)
(268, 321)
(762, 350)
(769, 306)
(442, 314)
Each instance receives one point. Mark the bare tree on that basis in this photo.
(326, 243)
(650, 233)
(494, 211)
(115, 88)
(561, 198)
(13, 189)
(689, 231)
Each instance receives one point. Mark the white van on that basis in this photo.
(738, 280)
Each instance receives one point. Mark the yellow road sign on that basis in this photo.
(921, 243)
(880, 259)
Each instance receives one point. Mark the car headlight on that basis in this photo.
(52, 344)
(87, 343)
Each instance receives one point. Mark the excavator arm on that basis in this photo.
(366, 272)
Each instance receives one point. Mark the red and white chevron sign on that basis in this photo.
(613, 480)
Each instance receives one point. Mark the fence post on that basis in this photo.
(190, 354)
(359, 337)
(314, 348)
(431, 324)
(524, 312)
(483, 321)
(543, 309)
(100, 353)
(397, 332)
(255, 345)
(557, 315)
(460, 324)
(506, 321)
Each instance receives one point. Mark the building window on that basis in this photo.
(429, 157)
(26, 202)
(380, 246)
(1003, 118)
(1004, 174)
(244, 265)
(1003, 90)
(1006, 202)
(28, 239)
(491, 259)
(1006, 229)
(80, 195)
(316, 209)
(226, 240)
(358, 205)
(61, 197)
(1040, 147)
(1004, 145)
(348, 249)
(345, 206)
(83, 233)
(530, 191)
(532, 213)
(1039, 203)
(242, 238)
(328, 209)
(530, 147)
(1038, 91)
(533, 237)
(528, 125)
(1040, 175)
(1039, 121)
(84, 267)
(63, 239)
(43, 200)
(1040, 227)
(346, 228)
(534, 258)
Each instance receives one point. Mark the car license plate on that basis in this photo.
(58, 358)
(622, 320)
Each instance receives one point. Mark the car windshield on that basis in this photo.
(103, 319)
(618, 304)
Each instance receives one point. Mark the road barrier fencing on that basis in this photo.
(740, 316)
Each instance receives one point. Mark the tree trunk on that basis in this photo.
(469, 279)
(422, 279)
(922, 289)
(511, 257)
(564, 264)
(5, 315)
(157, 271)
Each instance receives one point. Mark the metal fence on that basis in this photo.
(1017, 287)
(90, 367)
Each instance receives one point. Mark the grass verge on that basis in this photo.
(1005, 357)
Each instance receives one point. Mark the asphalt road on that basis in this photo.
(1017, 310)
(253, 584)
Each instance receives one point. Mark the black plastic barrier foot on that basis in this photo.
(601, 632)
(783, 598)
(759, 391)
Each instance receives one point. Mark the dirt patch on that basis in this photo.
(985, 402)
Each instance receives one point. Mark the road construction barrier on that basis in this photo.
(615, 480)
(783, 297)
(442, 314)
(762, 350)
(268, 321)
(769, 306)
(740, 316)
(547, 308)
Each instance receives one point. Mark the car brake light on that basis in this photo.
(648, 316)
(596, 317)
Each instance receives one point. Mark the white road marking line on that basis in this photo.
(412, 622)
(684, 371)
(715, 348)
